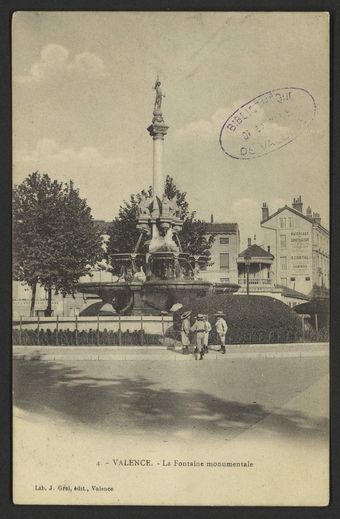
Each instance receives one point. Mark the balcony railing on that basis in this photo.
(255, 281)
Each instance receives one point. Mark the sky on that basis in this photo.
(83, 97)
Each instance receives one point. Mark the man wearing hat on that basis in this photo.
(221, 329)
(206, 333)
(185, 331)
(199, 327)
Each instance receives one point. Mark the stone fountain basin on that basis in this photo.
(153, 296)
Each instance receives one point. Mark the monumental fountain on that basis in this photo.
(151, 282)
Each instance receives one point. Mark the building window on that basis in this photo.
(291, 222)
(224, 280)
(307, 278)
(224, 241)
(292, 279)
(284, 282)
(282, 223)
(224, 261)
(283, 241)
(283, 262)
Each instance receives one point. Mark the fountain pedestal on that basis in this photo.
(139, 307)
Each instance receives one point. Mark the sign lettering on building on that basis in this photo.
(300, 262)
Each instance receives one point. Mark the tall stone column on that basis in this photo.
(158, 185)
(158, 130)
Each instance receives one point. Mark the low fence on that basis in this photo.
(150, 324)
(83, 338)
(139, 331)
(116, 330)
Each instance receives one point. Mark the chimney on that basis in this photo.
(317, 218)
(249, 242)
(265, 211)
(211, 218)
(309, 212)
(268, 248)
(297, 204)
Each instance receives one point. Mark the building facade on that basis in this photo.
(224, 253)
(255, 273)
(300, 245)
(258, 272)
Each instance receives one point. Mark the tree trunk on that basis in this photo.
(34, 290)
(48, 311)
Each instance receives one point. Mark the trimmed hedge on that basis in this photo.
(250, 319)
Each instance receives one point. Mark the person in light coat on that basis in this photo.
(185, 331)
(200, 328)
(206, 333)
(221, 329)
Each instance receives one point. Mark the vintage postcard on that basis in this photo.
(171, 258)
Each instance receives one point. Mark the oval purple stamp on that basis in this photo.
(267, 122)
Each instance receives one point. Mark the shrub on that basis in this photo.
(250, 319)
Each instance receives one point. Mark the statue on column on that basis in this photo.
(159, 95)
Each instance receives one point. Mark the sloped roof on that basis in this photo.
(255, 251)
(290, 292)
(222, 227)
(318, 292)
(294, 211)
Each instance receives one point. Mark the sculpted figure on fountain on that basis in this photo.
(174, 209)
(165, 206)
(143, 206)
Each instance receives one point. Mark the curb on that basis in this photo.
(129, 353)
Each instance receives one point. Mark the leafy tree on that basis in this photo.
(54, 238)
(193, 236)
(123, 234)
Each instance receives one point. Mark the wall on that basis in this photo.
(298, 250)
(320, 257)
(213, 272)
(68, 305)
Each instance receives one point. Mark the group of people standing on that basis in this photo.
(202, 329)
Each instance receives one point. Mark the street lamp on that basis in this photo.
(247, 260)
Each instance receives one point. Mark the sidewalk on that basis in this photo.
(119, 353)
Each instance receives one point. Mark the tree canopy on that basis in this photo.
(123, 234)
(54, 238)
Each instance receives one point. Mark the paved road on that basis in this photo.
(188, 399)
(73, 417)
